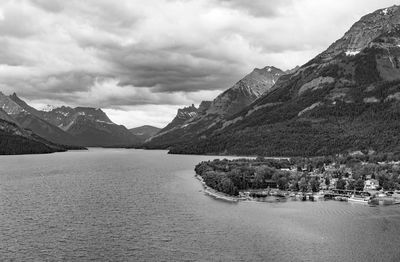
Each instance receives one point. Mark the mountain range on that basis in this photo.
(16, 140)
(346, 98)
(59, 128)
(190, 122)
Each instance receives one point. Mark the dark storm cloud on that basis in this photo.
(258, 7)
(172, 70)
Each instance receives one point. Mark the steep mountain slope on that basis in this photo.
(14, 97)
(244, 92)
(144, 132)
(29, 118)
(6, 117)
(347, 98)
(90, 126)
(183, 115)
(15, 140)
(190, 122)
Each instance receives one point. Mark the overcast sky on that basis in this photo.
(142, 60)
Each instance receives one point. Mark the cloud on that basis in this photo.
(134, 116)
(161, 53)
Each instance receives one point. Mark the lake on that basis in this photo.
(137, 205)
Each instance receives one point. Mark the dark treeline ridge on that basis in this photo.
(301, 174)
(15, 145)
(332, 129)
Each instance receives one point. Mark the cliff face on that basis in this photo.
(363, 32)
(346, 98)
(244, 92)
(183, 115)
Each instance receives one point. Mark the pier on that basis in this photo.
(344, 193)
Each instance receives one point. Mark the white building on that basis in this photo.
(371, 184)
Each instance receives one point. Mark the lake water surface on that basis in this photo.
(136, 205)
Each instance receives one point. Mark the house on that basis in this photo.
(371, 184)
(333, 183)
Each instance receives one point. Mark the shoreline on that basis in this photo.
(216, 194)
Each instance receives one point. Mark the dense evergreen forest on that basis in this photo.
(333, 128)
(15, 145)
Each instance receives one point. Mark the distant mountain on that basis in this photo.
(90, 126)
(292, 71)
(183, 115)
(47, 108)
(191, 121)
(246, 91)
(347, 98)
(144, 132)
(29, 118)
(80, 126)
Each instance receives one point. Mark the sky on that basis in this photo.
(142, 60)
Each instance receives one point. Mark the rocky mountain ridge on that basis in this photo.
(187, 126)
(80, 126)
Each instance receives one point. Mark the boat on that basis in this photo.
(319, 196)
(359, 199)
(341, 198)
(310, 196)
(387, 201)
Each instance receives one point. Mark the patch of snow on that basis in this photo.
(104, 122)
(371, 99)
(385, 11)
(395, 96)
(269, 69)
(351, 53)
(309, 108)
(212, 124)
(48, 108)
(260, 107)
(62, 113)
